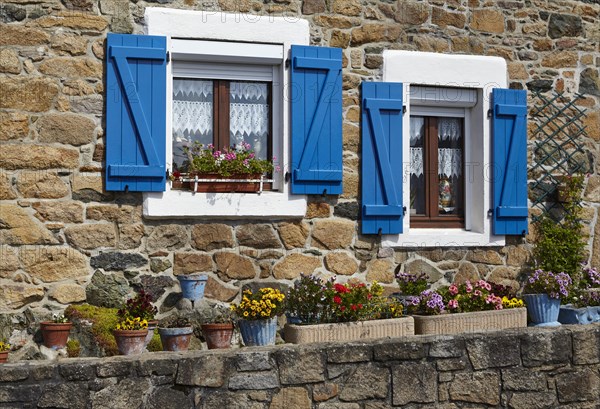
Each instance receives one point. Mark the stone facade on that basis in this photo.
(64, 237)
(518, 369)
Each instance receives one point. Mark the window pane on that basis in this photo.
(450, 166)
(249, 116)
(192, 116)
(417, 170)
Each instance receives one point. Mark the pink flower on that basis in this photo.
(477, 293)
(453, 304)
(469, 286)
(453, 289)
(277, 168)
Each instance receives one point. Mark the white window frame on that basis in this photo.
(222, 37)
(457, 71)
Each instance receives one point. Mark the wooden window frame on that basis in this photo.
(430, 172)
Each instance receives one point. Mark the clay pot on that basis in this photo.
(3, 357)
(130, 342)
(217, 336)
(55, 334)
(151, 327)
(175, 339)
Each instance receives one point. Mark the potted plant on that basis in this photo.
(218, 328)
(233, 169)
(320, 311)
(140, 307)
(175, 333)
(466, 307)
(56, 332)
(543, 292)
(4, 348)
(258, 315)
(130, 335)
(584, 304)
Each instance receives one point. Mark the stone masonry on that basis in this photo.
(64, 239)
(517, 369)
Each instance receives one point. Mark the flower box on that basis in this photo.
(470, 321)
(349, 331)
(585, 315)
(214, 183)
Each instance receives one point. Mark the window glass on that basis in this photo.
(417, 172)
(249, 116)
(450, 165)
(193, 103)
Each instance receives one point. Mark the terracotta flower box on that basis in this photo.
(470, 321)
(349, 331)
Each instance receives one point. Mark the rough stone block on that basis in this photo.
(399, 351)
(77, 371)
(586, 345)
(212, 236)
(50, 264)
(166, 397)
(157, 367)
(447, 347)
(128, 393)
(349, 353)
(13, 374)
(114, 368)
(494, 352)
(66, 395)
(366, 382)
(254, 361)
(580, 386)
(532, 400)
(546, 348)
(254, 380)
(522, 379)
(477, 387)
(297, 366)
(414, 382)
(19, 394)
(207, 370)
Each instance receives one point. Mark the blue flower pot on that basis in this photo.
(543, 310)
(192, 286)
(585, 315)
(258, 332)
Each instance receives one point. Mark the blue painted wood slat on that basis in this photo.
(381, 171)
(136, 113)
(509, 160)
(316, 100)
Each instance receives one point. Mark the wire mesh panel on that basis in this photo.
(556, 150)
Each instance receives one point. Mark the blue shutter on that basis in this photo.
(136, 80)
(316, 92)
(381, 181)
(509, 161)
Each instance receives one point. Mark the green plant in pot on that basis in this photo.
(56, 332)
(130, 335)
(175, 333)
(141, 307)
(217, 327)
(543, 293)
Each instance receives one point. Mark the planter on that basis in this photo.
(55, 334)
(151, 327)
(349, 331)
(130, 342)
(178, 185)
(175, 339)
(214, 183)
(585, 315)
(470, 321)
(217, 336)
(192, 286)
(258, 332)
(3, 357)
(543, 310)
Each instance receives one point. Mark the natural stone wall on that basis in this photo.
(65, 239)
(518, 369)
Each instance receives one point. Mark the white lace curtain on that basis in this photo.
(249, 115)
(192, 107)
(449, 162)
(449, 129)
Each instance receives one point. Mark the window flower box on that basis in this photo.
(470, 321)
(238, 183)
(349, 331)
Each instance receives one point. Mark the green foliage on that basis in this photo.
(73, 348)
(559, 246)
(155, 345)
(239, 160)
(103, 320)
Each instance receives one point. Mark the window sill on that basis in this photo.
(417, 238)
(176, 203)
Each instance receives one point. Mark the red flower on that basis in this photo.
(353, 307)
(340, 288)
(337, 299)
(360, 305)
(342, 308)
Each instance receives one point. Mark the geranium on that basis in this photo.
(264, 304)
(556, 285)
(467, 297)
(411, 284)
(235, 160)
(139, 306)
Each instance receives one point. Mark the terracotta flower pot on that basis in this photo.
(55, 334)
(217, 336)
(151, 327)
(130, 342)
(175, 339)
(3, 357)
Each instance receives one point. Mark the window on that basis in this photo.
(462, 180)
(436, 172)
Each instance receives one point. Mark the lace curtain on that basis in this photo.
(416, 129)
(449, 129)
(192, 108)
(449, 162)
(249, 115)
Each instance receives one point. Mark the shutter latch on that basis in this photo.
(404, 209)
(490, 213)
(489, 113)
(288, 62)
(168, 56)
(287, 177)
(403, 109)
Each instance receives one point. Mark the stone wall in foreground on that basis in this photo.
(519, 369)
(64, 239)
